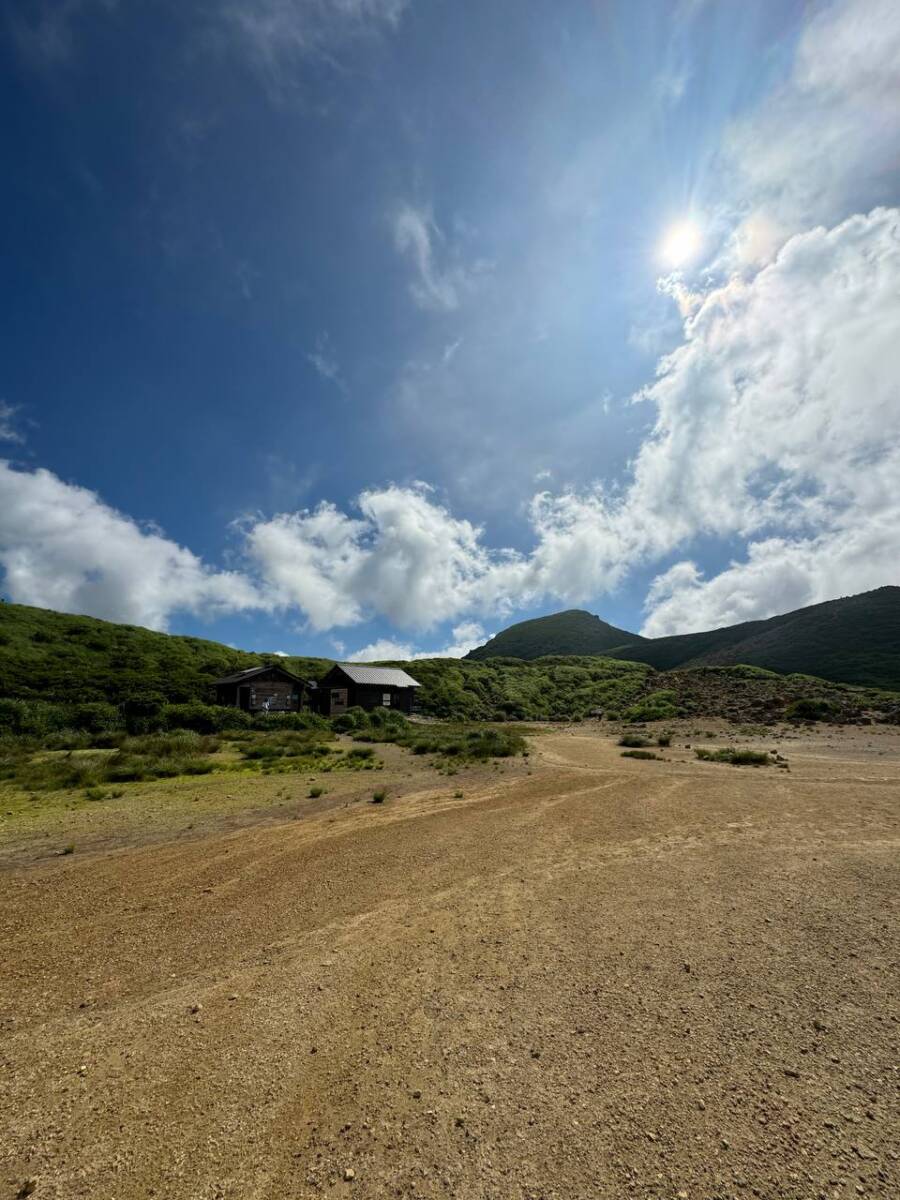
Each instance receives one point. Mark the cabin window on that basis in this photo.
(386, 699)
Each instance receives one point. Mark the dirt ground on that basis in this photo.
(585, 976)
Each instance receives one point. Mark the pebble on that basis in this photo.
(195, 1008)
(28, 1186)
(349, 1174)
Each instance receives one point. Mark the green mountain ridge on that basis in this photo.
(855, 640)
(571, 632)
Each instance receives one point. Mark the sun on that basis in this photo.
(681, 243)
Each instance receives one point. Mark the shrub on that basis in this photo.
(633, 739)
(143, 713)
(664, 739)
(656, 706)
(809, 708)
(639, 754)
(735, 757)
(378, 797)
(96, 717)
(316, 792)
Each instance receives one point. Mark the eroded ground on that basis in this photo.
(587, 976)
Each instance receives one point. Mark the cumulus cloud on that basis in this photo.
(465, 638)
(825, 142)
(61, 547)
(405, 558)
(441, 279)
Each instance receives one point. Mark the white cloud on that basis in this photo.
(406, 558)
(61, 547)
(778, 576)
(465, 638)
(441, 278)
(8, 431)
(825, 142)
(779, 413)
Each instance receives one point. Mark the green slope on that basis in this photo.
(73, 660)
(570, 632)
(852, 640)
(54, 661)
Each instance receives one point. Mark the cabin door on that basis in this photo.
(244, 698)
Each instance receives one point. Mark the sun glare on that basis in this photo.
(681, 244)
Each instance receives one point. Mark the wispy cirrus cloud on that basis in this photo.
(277, 35)
(441, 277)
(9, 431)
(325, 361)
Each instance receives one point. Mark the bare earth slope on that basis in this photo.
(607, 978)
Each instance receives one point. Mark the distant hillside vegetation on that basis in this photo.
(51, 661)
(570, 632)
(853, 640)
(76, 660)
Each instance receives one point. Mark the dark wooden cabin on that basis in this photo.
(261, 689)
(351, 685)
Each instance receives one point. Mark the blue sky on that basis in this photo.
(355, 326)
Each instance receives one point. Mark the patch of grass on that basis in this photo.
(379, 796)
(316, 792)
(734, 757)
(640, 754)
(664, 739)
(633, 740)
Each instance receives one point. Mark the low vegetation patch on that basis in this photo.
(633, 740)
(735, 757)
(641, 754)
(810, 708)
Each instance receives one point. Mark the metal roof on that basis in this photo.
(383, 676)
(239, 676)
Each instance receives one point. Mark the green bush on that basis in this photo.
(809, 708)
(633, 739)
(639, 754)
(657, 706)
(734, 757)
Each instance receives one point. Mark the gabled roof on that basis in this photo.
(250, 672)
(383, 676)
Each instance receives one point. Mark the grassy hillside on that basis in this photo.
(853, 640)
(570, 632)
(76, 660)
(80, 672)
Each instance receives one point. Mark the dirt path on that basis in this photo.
(607, 978)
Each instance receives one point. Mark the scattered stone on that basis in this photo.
(417, 1094)
(28, 1186)
(791, 1073)
(863, 1151)
(349, 1174)
(195, 1008)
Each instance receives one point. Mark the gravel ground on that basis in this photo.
(606, 978)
